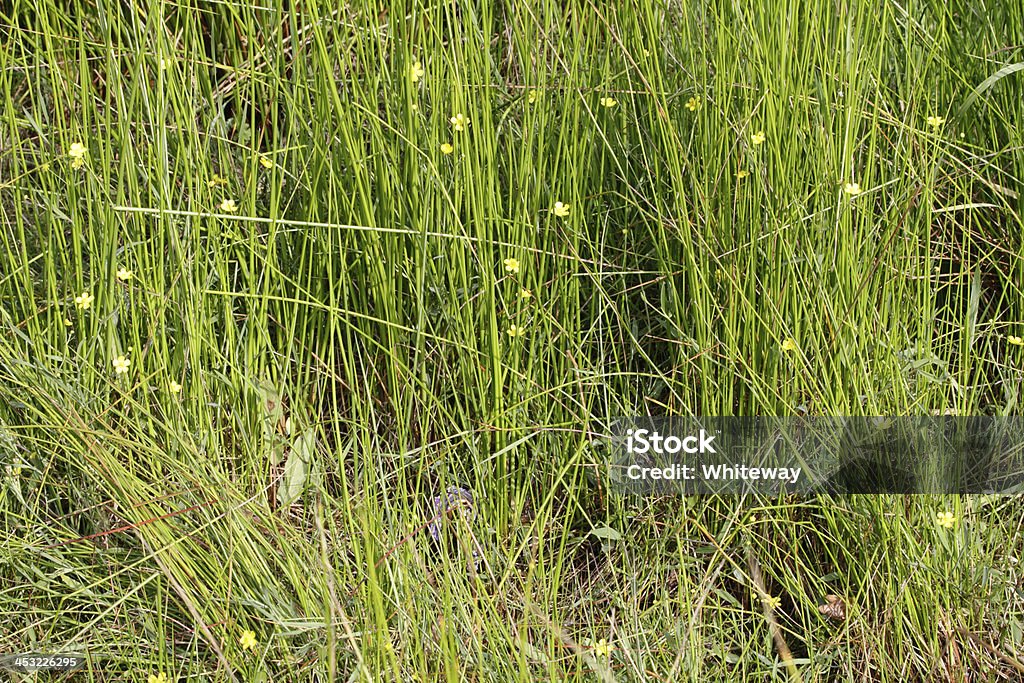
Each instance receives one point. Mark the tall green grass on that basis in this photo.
(309, 369)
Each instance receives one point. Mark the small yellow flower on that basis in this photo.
(608, 102)
(157, 678)
(602, 649)
(447, 148)
(229, 206)
(561, 210)
(525, 294)
(789, 345)
(757, 138)
(852, 189)
(459, 122)
(248, 640)
(516, 331)
(532, 96)
(173, 387)
(124, 275)
(693, 104)
(741, 174)
(772, 601)
(67, 322)
(266, 162)
(77, 152)
(1016, 341)
(935, 121)
(416, 71)
(945, 520)
(216, 180)
(84, 300)
(512, 265)
(121, 365)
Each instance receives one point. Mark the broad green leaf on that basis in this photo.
(304, 444)
(293, 481)
(300, 469)
(607, 533)
(276, 452)
(272, 403)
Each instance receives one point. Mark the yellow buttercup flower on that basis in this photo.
(123, 274)
(266, 162)
(516, 331)
(758, 138)
(852, 189)
(216, 180)
(447, 148)
(121, 365)
(525, 294)
(67, 322)
(416, 71)
(608, 102)
(935, 121)
(945, 520)
(772, 601)
(602, 649)
(228, 206)
(77, 152)
(741, 174)
(248, 640)
(561, 210)
(693, 104)
(459, 122)
(512, 265)
(532, 96)
(84, 300)
(174, 387)
(789, 345)
(1016, 341)
(157, 678)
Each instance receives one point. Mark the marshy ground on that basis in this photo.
(275, 277)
